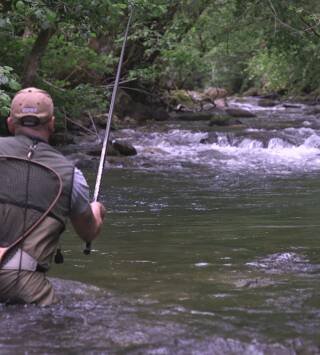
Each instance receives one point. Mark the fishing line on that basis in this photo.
(87, 249)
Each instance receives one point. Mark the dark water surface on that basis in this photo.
(196, 260)
(187, 263)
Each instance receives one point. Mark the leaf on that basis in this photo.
(20, 6)
(51, 16)
(14, 85)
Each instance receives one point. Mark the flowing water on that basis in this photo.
(211, 246)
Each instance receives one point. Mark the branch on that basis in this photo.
(310, 27)
(300, 32)
(50, 84)
(33, 59)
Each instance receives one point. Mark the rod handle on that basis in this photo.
(87, 249)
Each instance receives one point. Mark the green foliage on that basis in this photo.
(4, 103)
(185, 44)
(75, 102)
(272, 69)
(8, 84)
(184, 68)
(72, 63)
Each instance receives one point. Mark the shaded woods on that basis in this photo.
(71, 48)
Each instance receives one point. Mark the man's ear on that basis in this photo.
(11, 125)
(51, 124)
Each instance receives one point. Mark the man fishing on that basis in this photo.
(28, 253)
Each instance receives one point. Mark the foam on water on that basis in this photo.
(292, 149)
(286, 262)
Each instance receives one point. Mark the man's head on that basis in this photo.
(31, 112)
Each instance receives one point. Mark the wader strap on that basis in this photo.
(23, 261)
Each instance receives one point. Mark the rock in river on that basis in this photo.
(239, 112)
(124, 148)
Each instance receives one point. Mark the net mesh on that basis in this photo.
(28, 191)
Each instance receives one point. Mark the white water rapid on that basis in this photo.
(278, 140)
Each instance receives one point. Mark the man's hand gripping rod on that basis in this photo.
(87, 249)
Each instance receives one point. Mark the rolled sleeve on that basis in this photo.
(80, 194)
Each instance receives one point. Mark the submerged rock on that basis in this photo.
(239, 112)
(223, 120)
(193, 116)
(254, 283)
(284, 263)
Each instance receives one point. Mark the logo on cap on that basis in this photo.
(29, 110)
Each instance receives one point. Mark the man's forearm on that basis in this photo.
(88, 224)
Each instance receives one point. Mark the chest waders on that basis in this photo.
(29, 191)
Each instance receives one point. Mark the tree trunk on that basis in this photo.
(33, 60)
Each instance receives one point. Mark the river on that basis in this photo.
(210, 246)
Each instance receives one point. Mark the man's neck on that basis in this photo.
(32, 137)
(33, 134)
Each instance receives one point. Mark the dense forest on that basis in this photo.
(71, 48)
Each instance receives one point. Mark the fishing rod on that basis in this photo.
(103, 155)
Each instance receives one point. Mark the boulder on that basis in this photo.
(124, 148)
(288, 105)
(219, 103)
(160, 114)
(239, 112)
(115, 149)
(271, 96)
(181, 97)
(251, 92)
(101, 120)
(213, 93)
(83, 161)
(221, 120)
(124, 103)
(191, 100)
(267, 103)
(212, 138)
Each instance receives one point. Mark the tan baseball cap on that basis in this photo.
(31, 102)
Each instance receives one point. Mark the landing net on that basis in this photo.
(28, 192)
